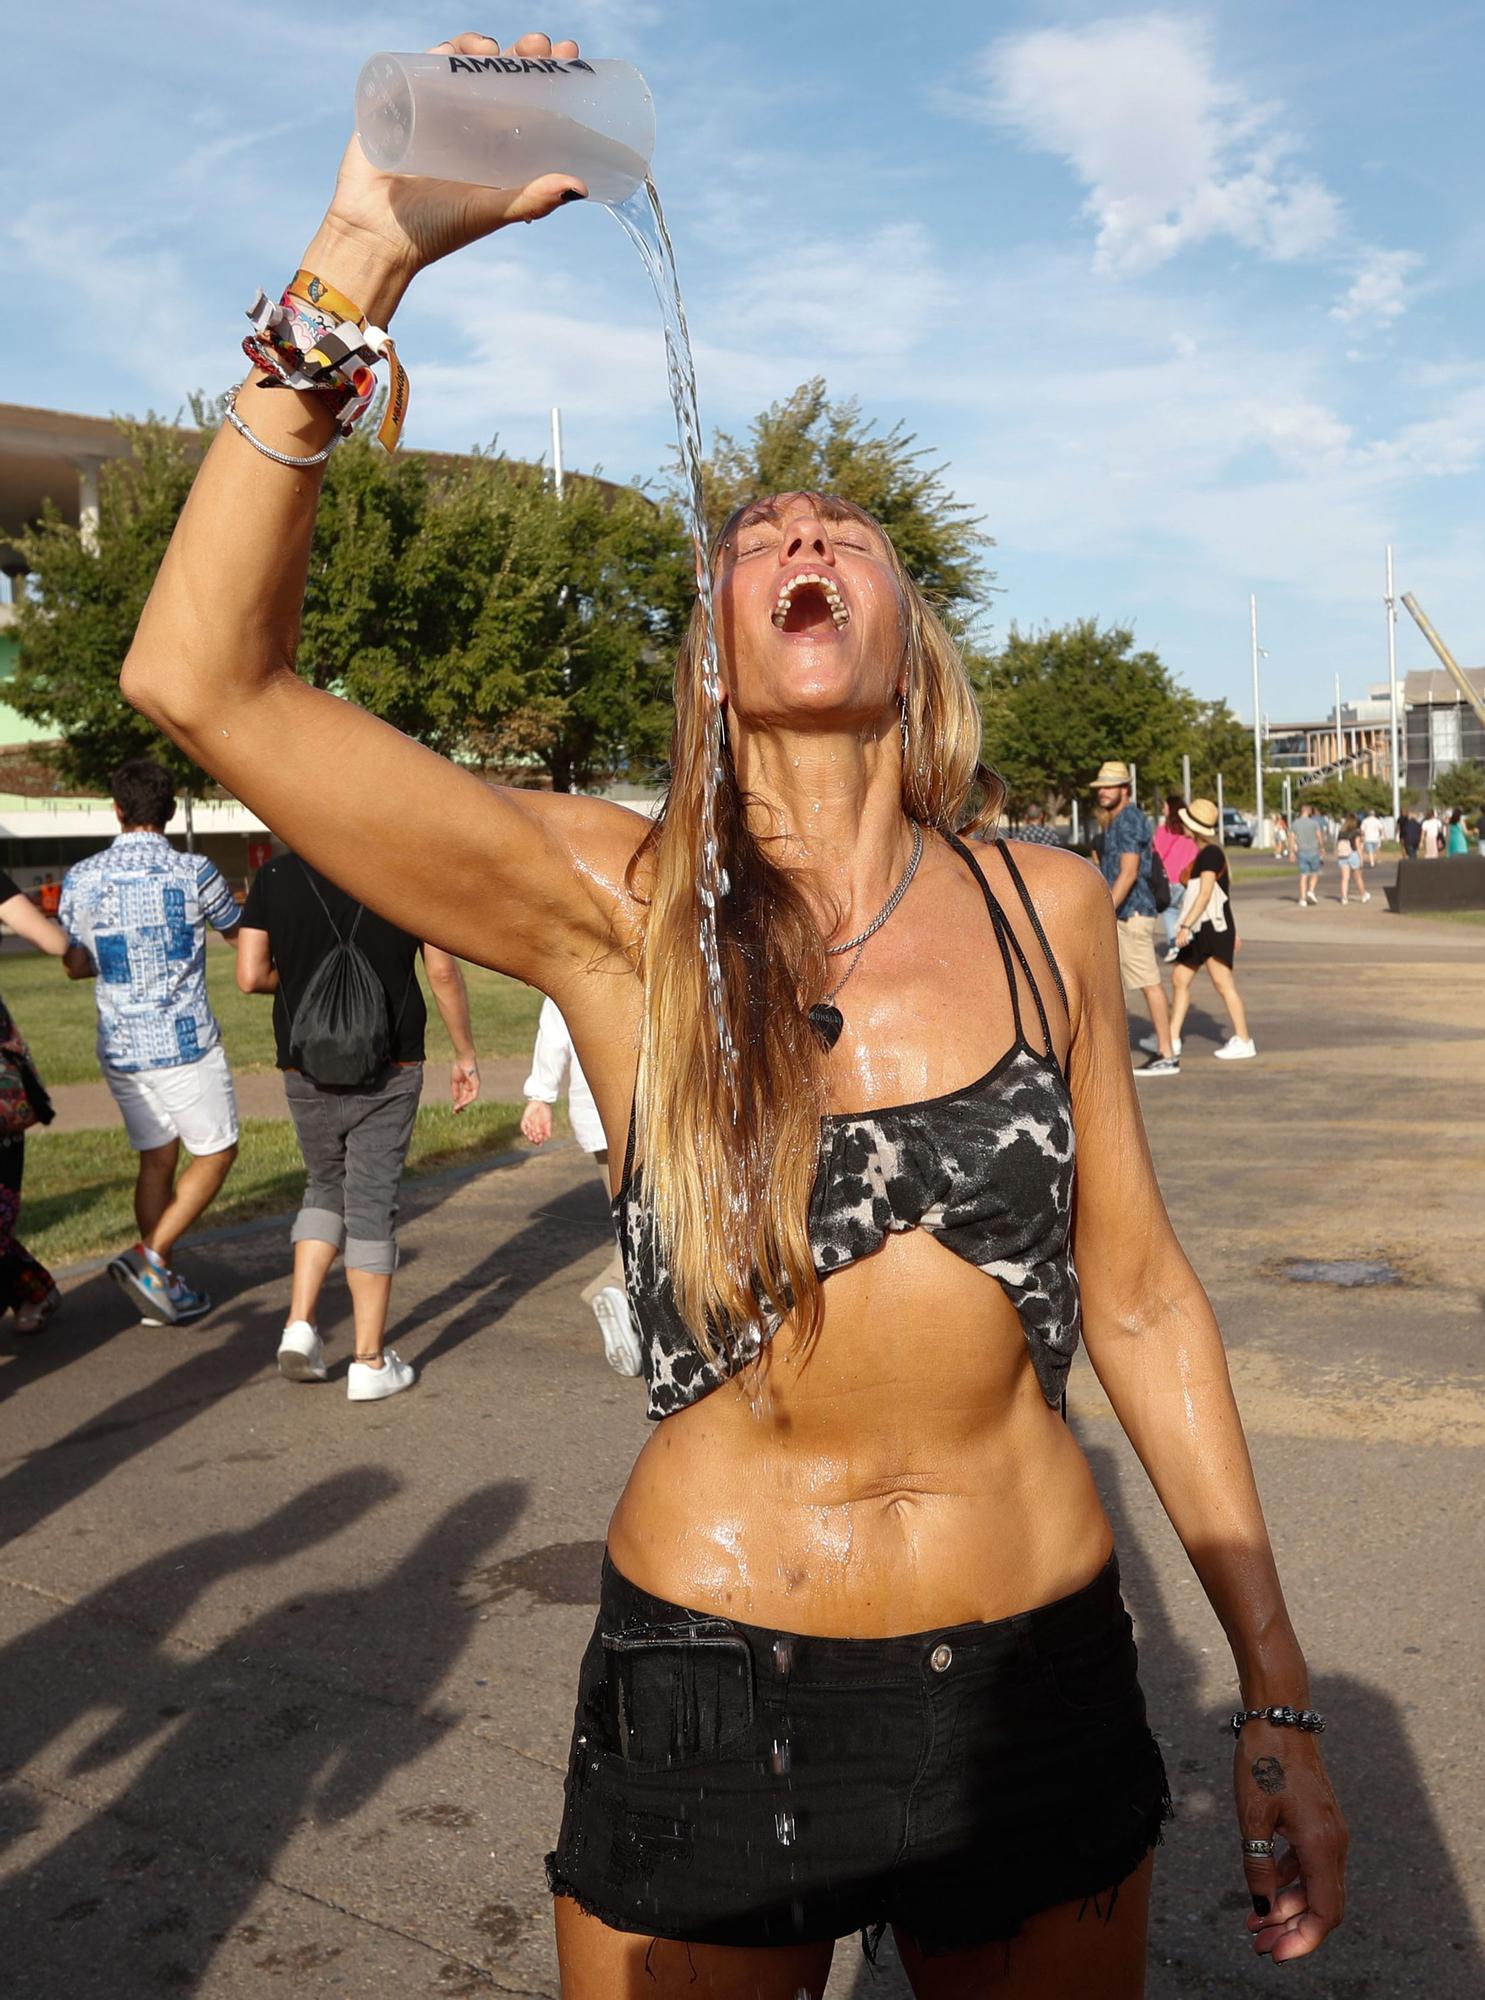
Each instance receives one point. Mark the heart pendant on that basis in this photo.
(827, 1022)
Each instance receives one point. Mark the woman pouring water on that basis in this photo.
(861, 1658)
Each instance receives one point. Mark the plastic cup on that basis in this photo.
(501, 121)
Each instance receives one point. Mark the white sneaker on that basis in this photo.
(621, 1348)
(301, 1353)
(1235, 1049)
(1366, 895)
(1312, 897)
(1152, 1044)
(365, 1384)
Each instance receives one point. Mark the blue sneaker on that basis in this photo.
(145, 1285)
(188, 1302)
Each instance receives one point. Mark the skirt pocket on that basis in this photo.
(676, 1695)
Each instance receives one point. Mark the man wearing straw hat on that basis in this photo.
(1126, 857)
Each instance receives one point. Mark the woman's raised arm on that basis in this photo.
(524, 881)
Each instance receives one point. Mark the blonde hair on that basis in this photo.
(729, 1161)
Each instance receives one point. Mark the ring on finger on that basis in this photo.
(1261, 1850)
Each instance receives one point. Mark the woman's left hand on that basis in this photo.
(1284, 1794)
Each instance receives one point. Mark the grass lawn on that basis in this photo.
(1447, 916)
(79, 1193)
(58, 1018)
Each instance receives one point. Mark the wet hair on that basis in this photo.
(730, 1161)
(144, 793)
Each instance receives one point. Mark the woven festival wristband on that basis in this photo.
(317, 340)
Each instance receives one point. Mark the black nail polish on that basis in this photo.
(1261, 1905)
(571, 194)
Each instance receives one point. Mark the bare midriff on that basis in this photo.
(907, 1473)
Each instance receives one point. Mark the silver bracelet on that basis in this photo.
(278, 457)
(1285, 1718)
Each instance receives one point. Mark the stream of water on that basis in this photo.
(644, 221)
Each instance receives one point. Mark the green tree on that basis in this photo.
(809, 444)
(461, 600)
(478, 611)
(1347, 793)
(76, 626)
(1218, 742)
(1062, 700)
(1461, 788)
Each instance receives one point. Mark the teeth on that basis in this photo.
(838, 611)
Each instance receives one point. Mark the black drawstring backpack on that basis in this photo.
(341, 1032)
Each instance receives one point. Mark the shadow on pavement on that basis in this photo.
(302, 1714)
(223, 1357)
(57, 1474)
(558, 1234)
(1408, 1927)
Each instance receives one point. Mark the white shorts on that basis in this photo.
(193, 1102)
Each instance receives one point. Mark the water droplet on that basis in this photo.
(781, 1758)
(784, 1827)
(783, 1655)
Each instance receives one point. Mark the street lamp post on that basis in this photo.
(1340, 731)
(1391, 602)
(1257, 729)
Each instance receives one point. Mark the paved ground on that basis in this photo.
(286, 1683)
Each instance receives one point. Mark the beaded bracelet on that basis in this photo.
(1286, 1718)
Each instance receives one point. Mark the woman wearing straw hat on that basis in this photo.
(1207, 936)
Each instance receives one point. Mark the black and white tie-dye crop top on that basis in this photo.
(987, 1170)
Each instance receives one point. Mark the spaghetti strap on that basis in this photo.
(1011, 953)
(1036, 923)
(1003, 925)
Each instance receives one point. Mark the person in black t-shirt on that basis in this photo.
(1207, 934)
(354, 1138)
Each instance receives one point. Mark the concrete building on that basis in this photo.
(1442, 729)
(1361, 744)
(1437, 726)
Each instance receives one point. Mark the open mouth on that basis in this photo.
(810, 601)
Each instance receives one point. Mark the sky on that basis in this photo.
(1187, 301)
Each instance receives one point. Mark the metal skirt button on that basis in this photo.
(941, 1658)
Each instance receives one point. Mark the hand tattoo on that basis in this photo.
(1268, 1775)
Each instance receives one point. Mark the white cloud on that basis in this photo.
(860, 296)
(1379, 289)
(1171, 152)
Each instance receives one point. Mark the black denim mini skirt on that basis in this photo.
(733, 1785)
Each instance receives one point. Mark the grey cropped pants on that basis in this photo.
(354, 1143)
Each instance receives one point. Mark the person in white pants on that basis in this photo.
(554, 1063)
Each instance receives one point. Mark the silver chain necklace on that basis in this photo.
(827, 1020)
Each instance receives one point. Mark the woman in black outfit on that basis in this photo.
(1207, 935)
(860, 1658)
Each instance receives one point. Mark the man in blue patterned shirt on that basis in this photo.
(140, 910)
